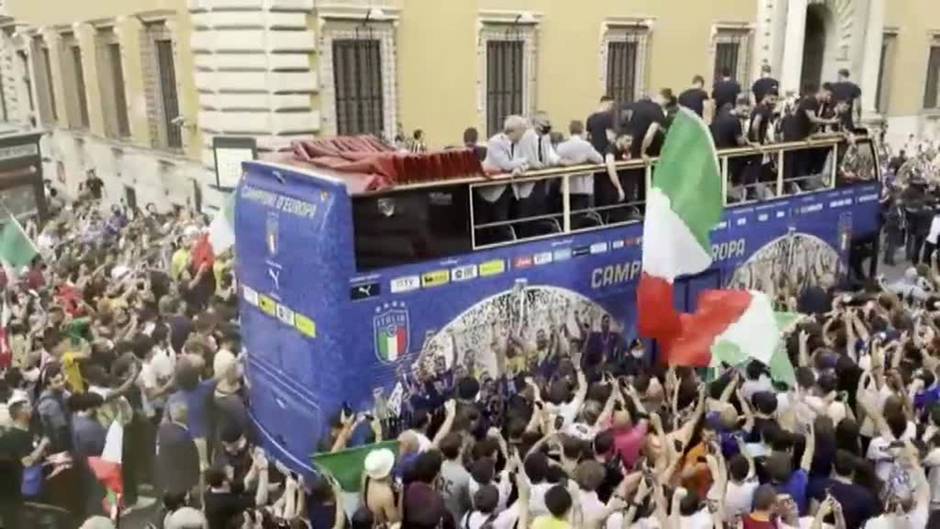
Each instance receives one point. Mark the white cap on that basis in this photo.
(379, 463)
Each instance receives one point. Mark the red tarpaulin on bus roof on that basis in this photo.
(382, 164)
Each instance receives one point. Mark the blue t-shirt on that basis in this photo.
(796, 488)
(197, 403)
(925, 399)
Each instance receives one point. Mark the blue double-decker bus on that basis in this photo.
(346, 291)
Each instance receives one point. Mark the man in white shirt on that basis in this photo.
(503, 156)
(536, 148)
(577, 151)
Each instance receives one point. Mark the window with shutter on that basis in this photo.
(504, 82)
(357, 79)
(622, 71)
(931, 95)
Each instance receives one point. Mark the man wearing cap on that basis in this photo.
(378, 495)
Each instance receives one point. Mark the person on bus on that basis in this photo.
(536, 148)
(803, 123)
(600, 124)
(726, 90)
(760, 132)
(609, 191)
(845, 91)
(502, 156)
(728, 132)
(470, 139)
(765, 85)
(577, 151)
(694, 98)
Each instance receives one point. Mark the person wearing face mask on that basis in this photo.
(503, 156)
(535, 146)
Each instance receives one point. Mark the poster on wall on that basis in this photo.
(229, 153)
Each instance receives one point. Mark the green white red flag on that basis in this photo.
(222, 228)
(682, 206)
(17, 250)
(107, 467)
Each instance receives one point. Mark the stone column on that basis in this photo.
(792, 69)
(871, 65)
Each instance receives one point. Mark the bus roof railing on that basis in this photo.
(816, 141)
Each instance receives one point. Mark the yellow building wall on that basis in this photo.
(916, 21)
(128, 29)
(439, 67)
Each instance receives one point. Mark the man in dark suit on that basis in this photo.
(177, 462)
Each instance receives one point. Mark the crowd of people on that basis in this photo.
(619, 131)
(128, 318)
(614, 442)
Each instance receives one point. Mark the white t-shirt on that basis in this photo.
(616, 522)
(700, 520)
(916, 519)
(750, 387)
(503, 485)
(537, 505)
(592, 508)
(739, 498)
(932, 466)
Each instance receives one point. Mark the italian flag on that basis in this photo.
(728, 326)
(107, 467)
(682, 206)
(391, 343)
(222, 228)
(17, 250)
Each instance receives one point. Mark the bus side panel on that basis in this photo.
(291, 232)
(593, 273)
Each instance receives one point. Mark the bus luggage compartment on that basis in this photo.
(285, 417)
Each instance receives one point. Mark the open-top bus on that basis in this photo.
(345, 288)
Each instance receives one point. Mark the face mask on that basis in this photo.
(638, 353)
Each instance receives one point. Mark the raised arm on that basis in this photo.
(451, 408)
(807, 461)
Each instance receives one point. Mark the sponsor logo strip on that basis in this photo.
(542, 258)
(463, 273)
(598, 247)
(404, 284)
(523, 261)
(435, 278)
(364, 291)
(305, 326)
(581, 250)
(250, 295)
(562, 254)
(492, 268)
(267, 305)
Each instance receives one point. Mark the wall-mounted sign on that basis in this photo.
(230, 152)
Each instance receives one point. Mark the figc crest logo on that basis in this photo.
(391, 328)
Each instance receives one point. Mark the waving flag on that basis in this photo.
(683, 206)
(346, 466)
(17, 250)
(107, 467)
(222, 227)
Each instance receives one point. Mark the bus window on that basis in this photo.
(410, 226)
(857, 163)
